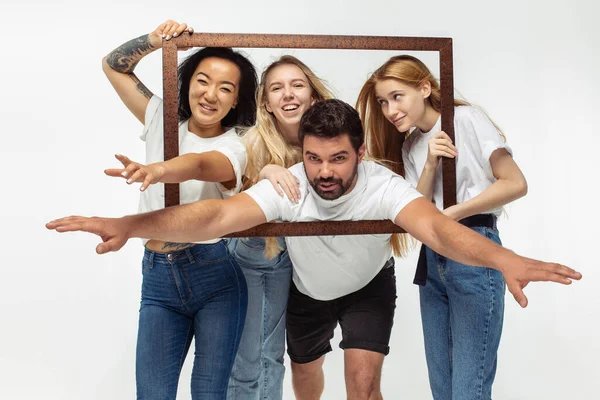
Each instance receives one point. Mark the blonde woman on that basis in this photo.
(287, 89)
(462, 308)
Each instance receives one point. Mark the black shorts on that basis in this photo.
(365, 316)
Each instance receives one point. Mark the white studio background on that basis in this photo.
(69, 317)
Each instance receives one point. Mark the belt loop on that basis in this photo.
(188, 253)
(151, 259)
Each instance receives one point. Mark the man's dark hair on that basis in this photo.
(332, 118)
(244, 114)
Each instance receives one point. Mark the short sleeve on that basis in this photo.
(235, 151)
(153, 118)
(267, 199)
(397, 195)
(410, 171)
(486, 133)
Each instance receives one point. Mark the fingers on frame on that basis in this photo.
(172, 30)
(447, 143)
(442, 153)
(161, 27)
(179, 29)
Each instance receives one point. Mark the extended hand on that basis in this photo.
(518, 275)
(136, 172)
(112, 230)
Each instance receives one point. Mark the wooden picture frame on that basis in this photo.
(171, 123)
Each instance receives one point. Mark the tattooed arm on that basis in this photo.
(119, 64)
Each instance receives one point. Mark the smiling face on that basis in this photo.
(213, 92)
(331, 164)
(288, 96)
(403, 105)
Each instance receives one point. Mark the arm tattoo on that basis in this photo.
(125, 57)
(141, 87)
(176, 246)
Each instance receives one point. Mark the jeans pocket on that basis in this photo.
(210, 253)
(492, 234)
(254, 243)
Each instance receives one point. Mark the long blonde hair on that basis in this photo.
(264, 142)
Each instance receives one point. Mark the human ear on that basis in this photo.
(425, 89)
(361, 152)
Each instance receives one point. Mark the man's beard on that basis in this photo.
(341, 189)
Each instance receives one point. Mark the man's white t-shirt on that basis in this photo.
(229, 143)
(328, 267)
(475, 138)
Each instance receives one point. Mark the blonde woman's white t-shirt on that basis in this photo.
(229, 143)
(328, 267)
(475, 138)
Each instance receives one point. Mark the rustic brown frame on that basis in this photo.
(171, 126)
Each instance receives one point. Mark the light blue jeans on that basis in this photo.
(462, 310)
(258, 369)
(196, 293)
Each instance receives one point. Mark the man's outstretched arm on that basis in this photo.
(194, 222)
(421, 219)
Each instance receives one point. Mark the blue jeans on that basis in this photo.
(258, 370)
(462, 310)
(200, 293)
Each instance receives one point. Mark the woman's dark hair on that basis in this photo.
(244, 114)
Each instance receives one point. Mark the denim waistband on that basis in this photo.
(474, 221)
(187, 253)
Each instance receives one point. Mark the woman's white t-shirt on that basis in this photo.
(475, 138)
(229, 143)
